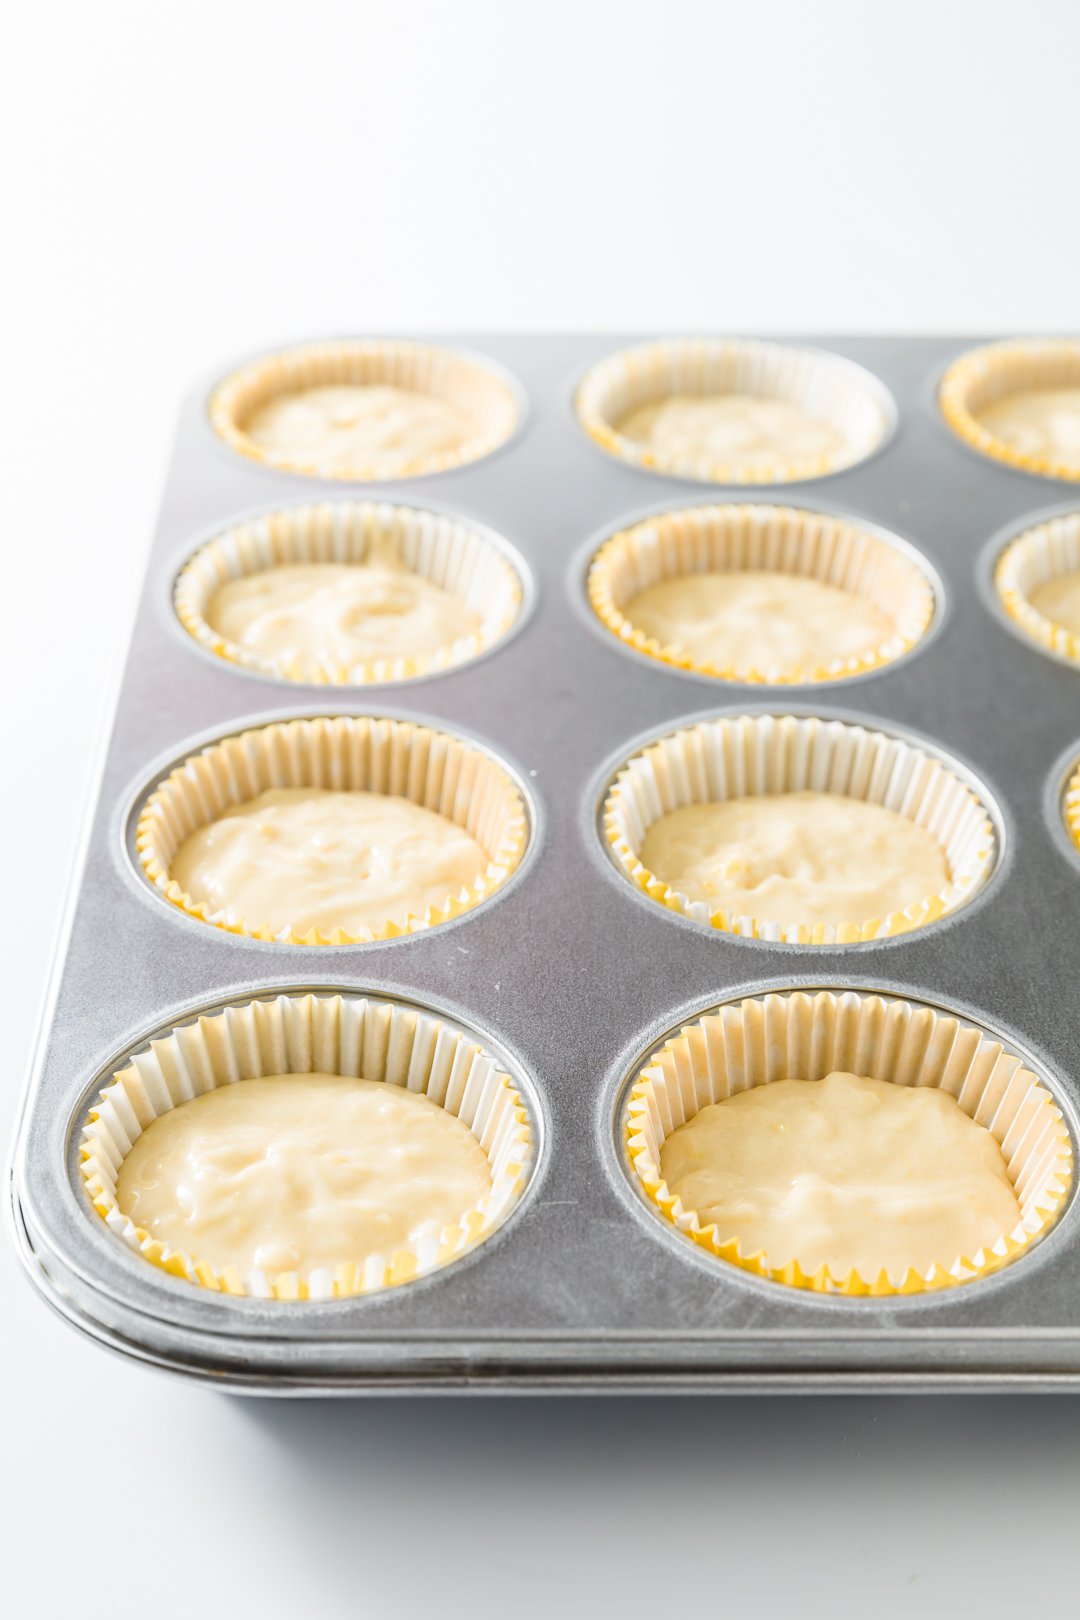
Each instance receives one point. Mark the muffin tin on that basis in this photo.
(568, 977)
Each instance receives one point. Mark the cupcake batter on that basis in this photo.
(303, 858)
(848, 1172)
(740, 431)
(321, 613)
(796, 858)
(758, 620)
(1059, 601)
(356, 428)
(301, 1171)
(1037, 421)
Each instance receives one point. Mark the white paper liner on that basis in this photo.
(1034, 558)
(779, 539)
(989, 373)
(343, 752)
(824, 386)
(473, 388)
(445, 551)
(805, 1036)
(303, 1034)
(748, 756)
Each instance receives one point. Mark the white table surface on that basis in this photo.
(191, 182)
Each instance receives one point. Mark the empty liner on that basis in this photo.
(805, 1036)
(747, 756)
(478, 391)
(346, 753)
(989, 373)
(305, 1033)
(774, 539)
(445, 551)
(824, 386)
(1041, 554)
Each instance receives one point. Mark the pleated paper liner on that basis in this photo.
(445, 551)
(776, 539)
(824, 386)
(989, 373)
(1071, 807)
(479, 392)
(747, 756)
(806, 1036)
(433, 769)
(1041, 554)
(304, 1033)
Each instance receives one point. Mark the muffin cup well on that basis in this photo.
(447, 552)
(987, 374)
(807, 1035)
(1034, 558)
(486, 397)
(310, 1033)
(778, 539)
(825, 386)
(755, 755)
(440, 772)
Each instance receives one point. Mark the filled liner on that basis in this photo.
(302, 1033)
(805, 1035)
(473, 388)
(776, 539)
(824, 386)
(1039, 555)
(448, 552)
(747, 756)
(443, 773)
(995, 370)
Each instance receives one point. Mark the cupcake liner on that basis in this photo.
(805, 1036)
(778, 539)
(1033, 558)
(1071, 807)
(755, 755)
(444, 551)
(305, 1033)
(349, 753)
(825, 386)
(986, 374)
(480, 392)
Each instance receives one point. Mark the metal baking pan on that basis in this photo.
(568, 973)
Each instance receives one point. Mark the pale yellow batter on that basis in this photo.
(342, 614)
(736, 430)
(849, 1172)
(1059, 601)
(796, 858)
(304, 858)
(354, 428)
(301, 1171)
(1038, 421)
(757, 620)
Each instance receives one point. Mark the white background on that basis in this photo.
(189, 182)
